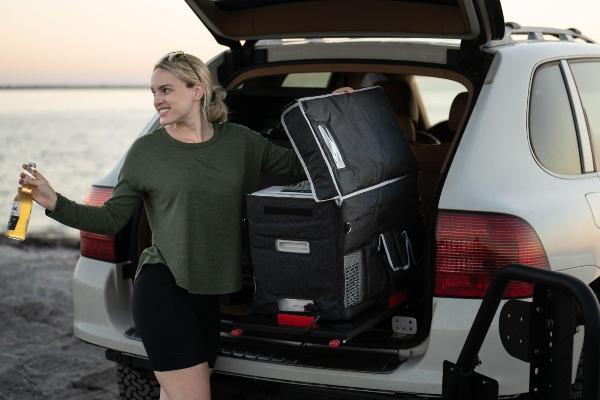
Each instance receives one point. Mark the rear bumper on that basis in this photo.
(228, 386)
(421, 369)
(102, 304)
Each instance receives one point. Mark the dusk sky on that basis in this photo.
(118, 41)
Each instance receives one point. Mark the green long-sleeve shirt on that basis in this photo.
(193, 194)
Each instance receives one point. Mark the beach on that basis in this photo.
(76, 135)
(39, 356)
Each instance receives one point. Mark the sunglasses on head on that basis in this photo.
(177, 55)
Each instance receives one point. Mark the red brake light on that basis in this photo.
(94, 245)
(472, 247)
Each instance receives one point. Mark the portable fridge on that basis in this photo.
(340, 242)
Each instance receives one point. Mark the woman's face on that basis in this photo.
(174, 101)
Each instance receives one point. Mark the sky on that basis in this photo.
(117, 41)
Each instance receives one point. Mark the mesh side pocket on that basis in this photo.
(354, 277)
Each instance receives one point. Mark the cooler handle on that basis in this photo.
(334, 150)
(292, 246)
(397, 251)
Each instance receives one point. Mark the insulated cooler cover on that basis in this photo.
(348, 142)
(332, 253)
(321, 254)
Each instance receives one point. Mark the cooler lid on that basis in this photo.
(348, 143)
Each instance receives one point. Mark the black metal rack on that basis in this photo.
(539, 332)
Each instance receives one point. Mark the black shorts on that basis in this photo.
(178, 329)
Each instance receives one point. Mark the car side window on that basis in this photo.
(587, 79)
(437, 95)
(551, 125)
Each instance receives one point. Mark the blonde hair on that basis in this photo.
(213, 106)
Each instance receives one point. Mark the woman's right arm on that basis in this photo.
(107, 219)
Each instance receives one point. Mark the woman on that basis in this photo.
(192, 174)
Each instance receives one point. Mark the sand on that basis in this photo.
(39, 356)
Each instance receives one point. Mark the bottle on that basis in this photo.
(20, 210)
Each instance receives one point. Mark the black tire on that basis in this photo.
(136, 384)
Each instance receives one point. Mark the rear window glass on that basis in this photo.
(308, 80)
(552, 128)
(587, 78)
(437, 95)
(301, 80)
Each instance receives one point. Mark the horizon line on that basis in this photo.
(74, 86)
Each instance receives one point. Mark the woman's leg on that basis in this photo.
(194, 383)
(172, 335)
(185, 384)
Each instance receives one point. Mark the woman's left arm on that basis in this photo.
(278, 160)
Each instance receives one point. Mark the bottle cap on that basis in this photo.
(31, 166)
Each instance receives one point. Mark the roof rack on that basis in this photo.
(537, 34)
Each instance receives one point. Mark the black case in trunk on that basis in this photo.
(344, 270)
(344, 245)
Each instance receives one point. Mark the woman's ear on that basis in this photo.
(198, 91)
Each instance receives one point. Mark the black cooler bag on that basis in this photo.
(341, 242)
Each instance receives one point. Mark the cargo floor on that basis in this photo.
(331, 330)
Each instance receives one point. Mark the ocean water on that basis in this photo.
(76, 136)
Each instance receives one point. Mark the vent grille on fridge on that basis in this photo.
(353, 279)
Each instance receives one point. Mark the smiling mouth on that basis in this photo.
(161, 111)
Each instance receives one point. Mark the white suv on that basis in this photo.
(509, 176)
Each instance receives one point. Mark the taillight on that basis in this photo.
(472, 247)
(94, 245)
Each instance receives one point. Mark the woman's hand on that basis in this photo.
(41, 191)
(345, 89)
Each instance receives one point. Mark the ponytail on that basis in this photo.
(216, 111)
